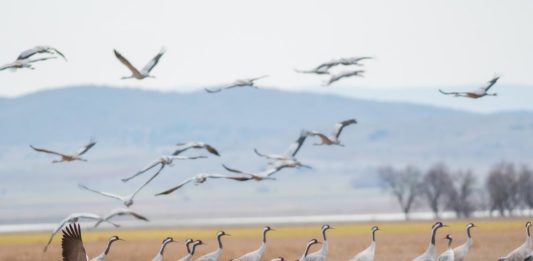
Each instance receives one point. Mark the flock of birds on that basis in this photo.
(25, 60)
(277, 162)
(73, 250)
(72, 243)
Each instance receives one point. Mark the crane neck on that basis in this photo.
(163, 248)
(307, 249)
(374, 235)
(433, 234)
(193, 249)
(528, 232)
(468, 233)
(219, 239)
(265, 236)
(324, 234)
(108, 247)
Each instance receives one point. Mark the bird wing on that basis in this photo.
(258, 78)
(264, 155)
(41, 59)
(322, 136)
(491, 83)
(334, 78)
(240, 178)
(47, 151)
(138, 216)
(328, 65)
(295, 147)
(187, 157)
(106, 194)
(72, 244)
(233, 170)
(170, 190)
(58, 52)
(148, 181)
(211, 149)
(450, 93)
(28, 53)
(39, 49)
(340, 126)
(125, 211)
(127, 63)
(86, 148)
(7, 66)
(213, 90)
(145, 169)
(182, 147)
(152, 63)
(54, 232)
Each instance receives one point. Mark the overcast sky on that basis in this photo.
(417, 43)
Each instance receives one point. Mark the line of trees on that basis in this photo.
(507, 188)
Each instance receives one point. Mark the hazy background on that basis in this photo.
(419, 46)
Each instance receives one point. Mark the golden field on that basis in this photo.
(395, 241)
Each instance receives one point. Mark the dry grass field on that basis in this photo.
(396, 241)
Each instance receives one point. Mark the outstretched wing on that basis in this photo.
(106, 194)
(450, 93)
(233, 170)
(41, 59)
(145, 169)
(340, 126)
(262, 155)
(125, 61)
(322, 136)
(39, 49)
(86, 148)
(152, 63)
(28, 53)
(169, 191)
(54, 232)
(7, 66)
(148, 181)
(138, 216)
(258, 78)
(212, 90)
(211, 150)
(295, 147)
(72, 244)
(187, 157)
(47, 151)
(491, 83)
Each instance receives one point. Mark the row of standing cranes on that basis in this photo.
(73, 247)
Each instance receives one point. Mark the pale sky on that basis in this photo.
(417, 43)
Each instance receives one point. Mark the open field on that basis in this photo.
(396, 241)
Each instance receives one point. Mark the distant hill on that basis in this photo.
(133, 127)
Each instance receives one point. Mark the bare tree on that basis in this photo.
(460, 198)
(437, 186)
(403, 184)
(503, 185)
(526, 186)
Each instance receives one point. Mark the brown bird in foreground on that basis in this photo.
(72, 244)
